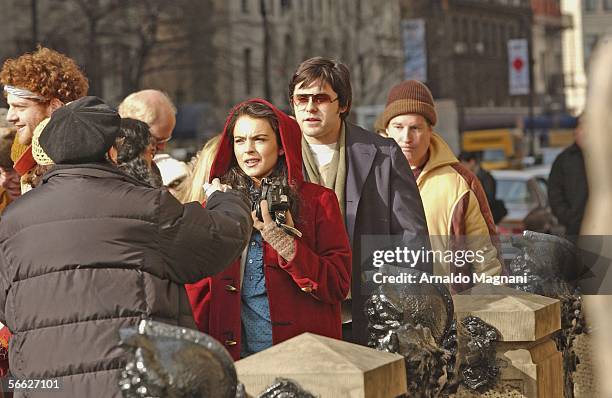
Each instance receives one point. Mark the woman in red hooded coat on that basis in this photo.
(282, 285)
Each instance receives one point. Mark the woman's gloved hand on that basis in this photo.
(283, 243)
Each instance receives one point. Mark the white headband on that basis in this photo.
(23, 93)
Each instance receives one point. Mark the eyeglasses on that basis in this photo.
(302, 100)
(156, 141)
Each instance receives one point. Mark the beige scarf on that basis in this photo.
(335, 180)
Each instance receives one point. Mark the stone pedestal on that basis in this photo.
(326, 368)
(528, 359)
(587, 378)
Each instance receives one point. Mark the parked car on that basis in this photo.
(525, 195)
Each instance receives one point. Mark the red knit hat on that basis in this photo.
(410, 96)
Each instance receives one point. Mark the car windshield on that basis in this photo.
(493, 155)
(513, 191)
(543, 184)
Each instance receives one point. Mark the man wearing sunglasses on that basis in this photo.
(376, 191)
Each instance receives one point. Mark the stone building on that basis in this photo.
(229, 62)
(592, 21)
(596, 24)
(363, 34)
(573, 59)
(210, 54)
(549, 23)
(466, 46)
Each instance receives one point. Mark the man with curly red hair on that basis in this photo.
(35, 85)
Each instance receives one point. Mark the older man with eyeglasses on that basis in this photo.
(155, 109)
(376, 191)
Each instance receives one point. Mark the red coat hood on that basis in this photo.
(291, 140)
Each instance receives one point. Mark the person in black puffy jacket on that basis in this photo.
(92, 250)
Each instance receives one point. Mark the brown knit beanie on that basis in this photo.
(410, 96)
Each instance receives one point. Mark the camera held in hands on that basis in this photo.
(276, 193)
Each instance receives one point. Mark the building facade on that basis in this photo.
(549, 23)
(247, 55)
(362, 34)
(467, 52)
(213, 54)
(573, 59)
(596, 24)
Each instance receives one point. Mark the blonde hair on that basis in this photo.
(201, 172)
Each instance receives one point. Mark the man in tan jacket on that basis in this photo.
(458, 215)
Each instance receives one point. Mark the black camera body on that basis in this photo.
(276, 192)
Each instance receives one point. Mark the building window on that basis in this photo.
(589, 5)
(590, 42)
(285, 6)
(511, 32)
(486, 37)
(272, 7)
(307, 44)
(476, 41)
(495, 39)
(327, 46)
(499, 39)
(245, 6)
(362, 72)
(456, 27)
(476, 36)
(289, 54)
(464, 30)
(247, 71)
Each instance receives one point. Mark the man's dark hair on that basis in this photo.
(132, 142)
(238, 179)
(134, 139)
(466, 156)
(325, 70)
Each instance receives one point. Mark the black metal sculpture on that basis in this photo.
(173, 362)
(285, 388)
(416, 321)
(413, 320)
(553, 266)
(478, 359)
(426, 304)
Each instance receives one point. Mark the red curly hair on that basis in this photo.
(47, 73)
